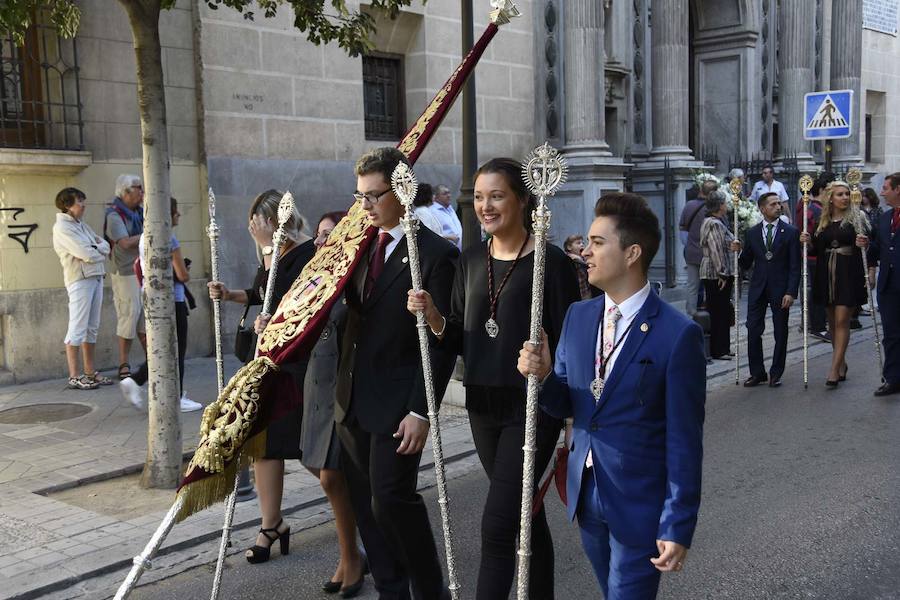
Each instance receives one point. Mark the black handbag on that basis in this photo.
(244, 340)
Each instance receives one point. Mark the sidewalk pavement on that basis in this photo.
(48, 544)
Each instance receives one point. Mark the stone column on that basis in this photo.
(846, 71)
(585, 79)
(795, 75)
(670, 78)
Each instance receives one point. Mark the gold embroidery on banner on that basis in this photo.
(318, 281)
(227, 422)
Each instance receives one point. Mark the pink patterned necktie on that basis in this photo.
(613, 314)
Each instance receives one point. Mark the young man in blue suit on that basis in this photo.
(884, 251)
(631, 371)
(772, 248)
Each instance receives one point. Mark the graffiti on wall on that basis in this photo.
(21, 232)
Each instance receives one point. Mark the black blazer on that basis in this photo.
(380, 377)
(779, 276)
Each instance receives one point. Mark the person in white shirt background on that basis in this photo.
(451, 227)
(768, 184)
(422, 207)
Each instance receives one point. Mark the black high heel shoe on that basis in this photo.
(260, 554)
(843, 376)
(831, 384)
(333, 587)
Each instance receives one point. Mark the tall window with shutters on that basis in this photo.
(383, 96)
(40, 99)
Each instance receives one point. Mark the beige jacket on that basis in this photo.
(82, 252)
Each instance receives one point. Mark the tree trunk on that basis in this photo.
(164, 450)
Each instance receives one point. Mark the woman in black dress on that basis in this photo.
(488, 322)
(283, 435)
(839, 283)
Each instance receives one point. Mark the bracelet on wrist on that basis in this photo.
(443, 328)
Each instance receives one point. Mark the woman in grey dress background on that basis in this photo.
(319, 447)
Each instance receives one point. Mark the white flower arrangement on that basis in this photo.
(700, 177)
(748, 214)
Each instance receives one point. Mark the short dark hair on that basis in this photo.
(762, 197)
(424, 195)
(708, 186)
(894, 178)
(335, 217)
(68, 197)
(822, 181)
(567, 245)
(511, 170)
(636, 223)
(380, 160)
(173, 205)
(768, 167)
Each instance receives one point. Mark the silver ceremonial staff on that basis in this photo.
(735, 185)
(212, 231)
(285, 210)
(404, 184)
(806, 184)
(544, 171)
(854, 176)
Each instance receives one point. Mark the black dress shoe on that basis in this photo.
(352, 590)
(775, 382)
(332, 587)
(888, 389)
(754, 381)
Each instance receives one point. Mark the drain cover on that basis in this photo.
(42, 413)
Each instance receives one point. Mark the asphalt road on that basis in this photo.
(801, 499)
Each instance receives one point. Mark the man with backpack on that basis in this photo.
(122, 227)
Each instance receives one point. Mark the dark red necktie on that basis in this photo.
(376, 263)
(895, 222)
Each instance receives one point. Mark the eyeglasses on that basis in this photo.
(372, 198)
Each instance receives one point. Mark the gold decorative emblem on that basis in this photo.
(318, 280)
(806, 183)
(228, 420)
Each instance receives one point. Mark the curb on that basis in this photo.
(199, 539)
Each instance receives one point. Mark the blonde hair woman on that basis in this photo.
(839, 283)
(282, 436)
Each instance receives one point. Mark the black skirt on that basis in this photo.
(839, 278)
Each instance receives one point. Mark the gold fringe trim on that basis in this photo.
(227, 422)
(214, 488)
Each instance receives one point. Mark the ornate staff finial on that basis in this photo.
(212, 205)
(285, 208)
(735, 186)
(405, 185)
(544, 170)
(854, 176)
(806, 183)
(504, 10)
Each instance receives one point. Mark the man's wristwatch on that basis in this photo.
(268, 250)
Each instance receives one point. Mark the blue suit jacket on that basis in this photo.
(884, 250)
(777, 277)
(646, 431)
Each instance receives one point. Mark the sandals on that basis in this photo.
(99, 379)
(124, 371)
(260, 554)
(82, 383)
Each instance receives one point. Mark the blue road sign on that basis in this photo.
(828, 115)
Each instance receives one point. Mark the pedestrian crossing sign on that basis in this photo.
(828, 115)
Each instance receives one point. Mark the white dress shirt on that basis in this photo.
(765, 227)
(450, 224)
(629, 309)
(762, 187)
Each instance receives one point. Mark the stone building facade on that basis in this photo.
(638, 93)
